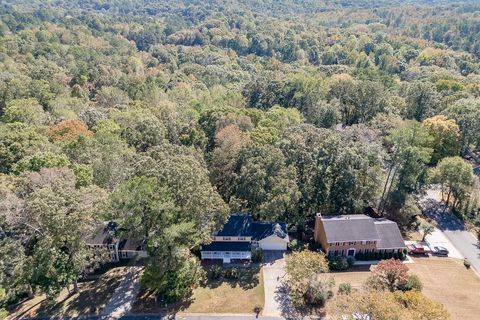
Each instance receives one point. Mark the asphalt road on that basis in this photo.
(455, 231)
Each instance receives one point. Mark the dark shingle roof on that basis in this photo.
(349, 228)
(241, 225)
(263, 230)
(227, 246)
(237, 226)
(130, 244)
(390, 236)
(103, 234)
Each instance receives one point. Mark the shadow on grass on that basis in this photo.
(149, 302)
(246, 278)
(92, 297)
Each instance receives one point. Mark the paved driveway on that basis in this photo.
(273, 274)
(124, 296)
(452, 228)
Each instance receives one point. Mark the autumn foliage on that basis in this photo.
(68, 130)
(389, 274)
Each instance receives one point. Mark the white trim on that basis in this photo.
(354, 252)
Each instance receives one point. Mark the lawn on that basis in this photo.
(215, 296)
(91, 299)
(450, 283)
(230, 296)
(444, 280)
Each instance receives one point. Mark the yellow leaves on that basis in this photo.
(441, 124)
(385, 305)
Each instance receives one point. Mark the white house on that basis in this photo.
(240, 235)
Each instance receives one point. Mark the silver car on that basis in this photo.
(439, 251)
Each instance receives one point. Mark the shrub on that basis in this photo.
(314, 246)
(350, 261)
(257, 309)
(215, 272)
(467, 263)
(413, 283)
(344, 288)
(318, 290)
(296, 245)
(232, 274)
(257, 255)
(338, 263)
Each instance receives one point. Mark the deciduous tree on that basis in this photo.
(446, 136)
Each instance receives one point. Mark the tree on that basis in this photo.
(54, 218)
(359, 101)
(426, 229)
(336, 173)
(140, 128)
(445, 134)
(411, 151)
(264, 185)
(24, 110)
(456, 177)
(18, 140)
(306, 280)
(172, 208)
(420, 307)
(422, 100)
(146, 209)
(3, 312)
(385, 305)
(466, 113)
(229, 141)
(68, 130)
(40, 160)
(389, 274)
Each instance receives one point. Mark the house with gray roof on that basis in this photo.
(347, 235)
(105, 242)
(236, 239)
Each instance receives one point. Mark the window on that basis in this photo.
(351, 243)
(226, 238)
(241, 238)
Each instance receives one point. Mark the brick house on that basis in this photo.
(348, 235)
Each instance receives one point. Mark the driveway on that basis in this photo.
(273, 274)
(277, 300)
(124, 296)
(452, 228)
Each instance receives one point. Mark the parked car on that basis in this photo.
(417, 248)
(439, 251)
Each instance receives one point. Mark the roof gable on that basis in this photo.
(263, 230)
(390, 236)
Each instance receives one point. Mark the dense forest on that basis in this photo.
(167, 116)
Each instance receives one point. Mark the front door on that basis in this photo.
(351, 252)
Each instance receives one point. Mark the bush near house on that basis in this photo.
(340, 263)
(362, 256)
(257, 255)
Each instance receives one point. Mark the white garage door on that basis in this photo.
(273, 243)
